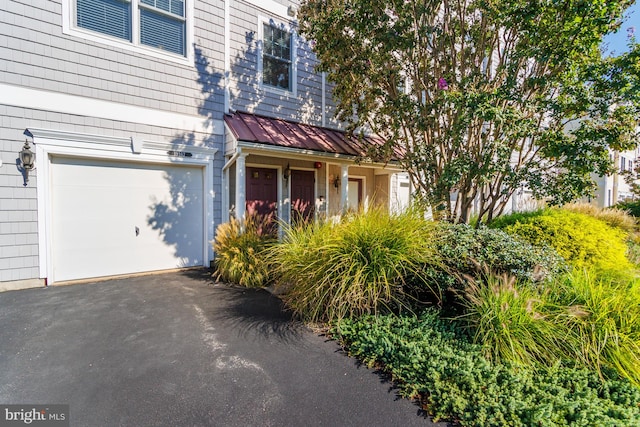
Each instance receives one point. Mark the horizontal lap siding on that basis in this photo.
(34, 53)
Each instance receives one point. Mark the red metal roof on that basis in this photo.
(283, 133)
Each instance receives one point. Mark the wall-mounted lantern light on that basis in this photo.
(336, 182)
(286, 173)
(27, 158)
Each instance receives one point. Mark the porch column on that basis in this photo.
(344, 188)
(241, 184)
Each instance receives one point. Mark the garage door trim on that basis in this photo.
(52, 143)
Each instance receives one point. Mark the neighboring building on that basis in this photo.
(616, 188)
(154, 121)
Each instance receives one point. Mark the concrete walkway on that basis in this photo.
(177, 350)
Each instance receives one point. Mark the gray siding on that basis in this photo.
(34, 53)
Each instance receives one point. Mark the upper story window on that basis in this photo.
(276, 57)
(159, 24)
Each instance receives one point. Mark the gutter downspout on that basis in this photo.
(616, 162)
(227, 55)
(324, 100)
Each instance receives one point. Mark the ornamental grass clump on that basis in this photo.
(614, 216)
(365, 263)
(508, 320)
(604, 320)
(584, 319)
(242, 251)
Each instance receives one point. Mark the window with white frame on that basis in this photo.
(160, 24)
(277, 57)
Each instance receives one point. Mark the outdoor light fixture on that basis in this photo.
(286, 173)
(27, 158)
(336, 182)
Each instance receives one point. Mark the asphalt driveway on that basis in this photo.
(177, 350)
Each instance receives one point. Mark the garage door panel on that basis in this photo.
(116, 218)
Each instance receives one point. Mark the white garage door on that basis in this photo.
(111, 218)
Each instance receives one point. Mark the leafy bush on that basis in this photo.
(359, 265)
(428, 360)
(617, 218)
(462, 248)
(632, 207)
(241, 250)
(583, 241)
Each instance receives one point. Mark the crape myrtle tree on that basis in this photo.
(479, 99)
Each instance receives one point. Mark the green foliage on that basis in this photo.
(583, 241)
(507, 320)
(588, 320)
(459, 93)
(427, 359)
(358, 265)
(462, 248)
(241, 251)
(632, 207)
(604, 320)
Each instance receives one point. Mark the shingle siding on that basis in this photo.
(34, 53)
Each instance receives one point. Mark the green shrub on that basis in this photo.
(583, 241)
(632, 207)
(429, 360)
(241, 252)
(361, 264)
(462, 248)
(614, 217)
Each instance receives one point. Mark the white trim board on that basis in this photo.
(23, 97)
(272, 7)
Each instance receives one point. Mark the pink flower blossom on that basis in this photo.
(442, 84)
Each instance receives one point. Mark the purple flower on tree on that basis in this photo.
(631, 32)
(442, 84)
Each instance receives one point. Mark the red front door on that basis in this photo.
(302, 196)
(262, 194)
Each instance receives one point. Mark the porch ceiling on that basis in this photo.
(283, 133)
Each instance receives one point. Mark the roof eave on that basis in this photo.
(278, 151)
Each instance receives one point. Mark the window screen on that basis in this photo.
(110, 17)
(162, 32)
